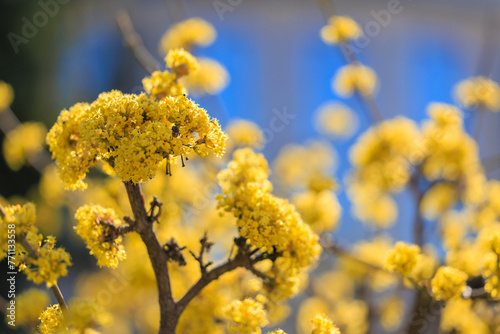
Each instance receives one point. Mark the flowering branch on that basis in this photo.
(54, 288)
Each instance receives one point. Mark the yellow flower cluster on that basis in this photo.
(438, 199)
(6, 95)
(268, 222)
(480, 92)
(382, 155)
(336, 120)
(491, 273)
(323, 325)
(462, 316)
(29, 304)
(451, 153)
(188, 33)
(98, 227)
(40, 260)
(48, 264)
(83, 316)
(354, 78)
(403, 258)
(246, 316)
(52, 320)
(448, 283)
(163, 84)
(382, 160)
(24, 141)
(181, 62)
(23, 217)
(340, 29)
(211, 78)
(133, 132)
(306, 166)
(320, 209)
(243, 133)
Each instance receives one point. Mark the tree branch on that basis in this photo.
(157, 255)
(133, 42)
(241, 259)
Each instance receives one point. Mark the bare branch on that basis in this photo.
(133, 42)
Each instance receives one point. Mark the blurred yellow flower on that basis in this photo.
(188, 33)
(243, 133)
(480, 92)
(448, 283)
(403, 258)
(354, 78)
(211, 78)
(25, 141)
(6, 95)
(337, 120)
(246, 316)
(340, 29)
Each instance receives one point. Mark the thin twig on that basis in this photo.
(133, 42)
(54, 288)
(331, 248)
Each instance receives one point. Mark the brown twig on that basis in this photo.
(241, 259)
(133, 42)
(331, 248)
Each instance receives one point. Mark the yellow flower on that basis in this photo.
(298, 165)
(492, 275)
(99, 228)
(336, 120)
(23, 142)
(6, 95)
(48, 264)
(450, 153)
(321, 210)
(448, 283)
(52, 320)
(489, 238)
(188, 33)
(480, 92)
(181, 62)
(133, 133)
(246, 316)
(354, 78)
(278, 331)
(243, 133)
(403, 258)
(438, 199)
(392, 312)
(29, 304)
(211, 78)
(340, 29)
(323, 325)
(162, 84)
(73, 156)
